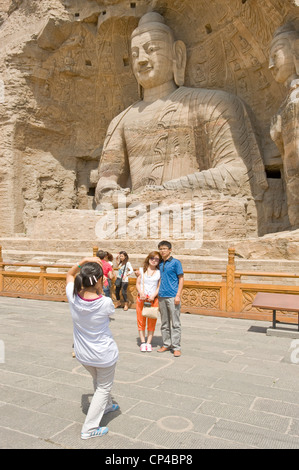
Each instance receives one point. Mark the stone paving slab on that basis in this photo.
(234, 387)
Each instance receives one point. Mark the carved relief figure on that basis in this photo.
(284, 64)
(175, 138)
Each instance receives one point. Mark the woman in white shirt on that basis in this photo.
(94, 345)
(122, 279)
(147, 284)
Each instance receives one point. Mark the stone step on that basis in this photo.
(184, 247)
(271, 253)
(190, 262)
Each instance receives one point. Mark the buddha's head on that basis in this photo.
(157, 57)
(284, 54)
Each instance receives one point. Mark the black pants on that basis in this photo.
(123, 288)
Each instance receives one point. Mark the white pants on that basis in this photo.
(101, 400)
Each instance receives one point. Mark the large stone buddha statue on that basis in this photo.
(178, 140)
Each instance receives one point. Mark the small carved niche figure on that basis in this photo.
(284, 64)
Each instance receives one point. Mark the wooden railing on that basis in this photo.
(228, 297)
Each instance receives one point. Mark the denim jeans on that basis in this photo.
(106, 291)
(123, 288)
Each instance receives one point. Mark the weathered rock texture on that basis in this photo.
(65, 67)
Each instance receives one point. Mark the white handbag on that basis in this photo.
(150, 312)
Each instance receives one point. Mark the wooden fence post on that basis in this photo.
(94, 251)
(230, 280)
(42, 280)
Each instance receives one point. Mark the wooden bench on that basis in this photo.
(286, 302)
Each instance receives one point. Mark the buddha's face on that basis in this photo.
(282, 62)
(152, 58)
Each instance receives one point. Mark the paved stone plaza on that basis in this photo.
(233, 387)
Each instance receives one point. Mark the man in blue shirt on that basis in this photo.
(172, 281)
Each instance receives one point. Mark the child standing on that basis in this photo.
(94, 346)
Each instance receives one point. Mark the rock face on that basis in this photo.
(61, 73)
(65, 74)
(279, 246)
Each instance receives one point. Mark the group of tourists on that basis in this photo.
(122, 279)
(159, 284)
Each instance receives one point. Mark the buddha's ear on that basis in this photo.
(140, 91)
(179, 62)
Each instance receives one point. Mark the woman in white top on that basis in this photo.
(94, 346)
(147, 284)
(122, 279)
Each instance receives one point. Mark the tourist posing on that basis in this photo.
(122, 279)
(107, 271)
(147, 284)
(94, 346)
(172, 281)
(109, 259)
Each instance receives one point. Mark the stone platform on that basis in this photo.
(272, 254)
(61, 234)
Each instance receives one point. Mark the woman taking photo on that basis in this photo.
(122, 279)
(147, 285)
(94, 345)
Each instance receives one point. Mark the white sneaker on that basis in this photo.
(143, 347)
(113, 407)
(95, 433)
(149, 347)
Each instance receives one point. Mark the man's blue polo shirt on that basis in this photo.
(170, 270)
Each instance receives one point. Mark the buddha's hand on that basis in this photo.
(107, 188)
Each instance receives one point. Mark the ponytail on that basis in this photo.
(78, 283)
(88, 276)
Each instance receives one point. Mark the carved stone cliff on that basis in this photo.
(65, 73)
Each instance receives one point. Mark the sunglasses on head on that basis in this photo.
(155, 259)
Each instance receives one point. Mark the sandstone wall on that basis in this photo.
(66, 73)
